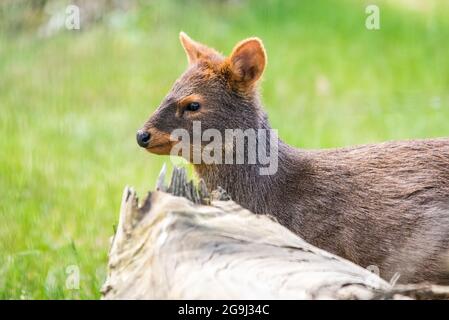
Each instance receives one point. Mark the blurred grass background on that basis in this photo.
(72, 100)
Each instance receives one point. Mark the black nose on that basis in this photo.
(143, 138)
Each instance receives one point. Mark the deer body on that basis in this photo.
(385, 205)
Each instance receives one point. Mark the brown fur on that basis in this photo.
(160, 142)
(385, 204)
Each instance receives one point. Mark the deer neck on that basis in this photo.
(245, 183)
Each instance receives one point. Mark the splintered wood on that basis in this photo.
(183, 242)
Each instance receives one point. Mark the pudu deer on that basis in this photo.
(385, 204)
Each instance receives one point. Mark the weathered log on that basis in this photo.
(184, 243)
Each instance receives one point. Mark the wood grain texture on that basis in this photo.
(183, 243)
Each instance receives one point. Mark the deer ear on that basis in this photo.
(193, 49)
(247, 61)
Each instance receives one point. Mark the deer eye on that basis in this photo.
(193, 106)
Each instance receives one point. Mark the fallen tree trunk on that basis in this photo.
(183, 243)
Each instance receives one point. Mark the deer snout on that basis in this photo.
(143, 138)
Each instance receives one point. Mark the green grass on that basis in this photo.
(70, 106)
